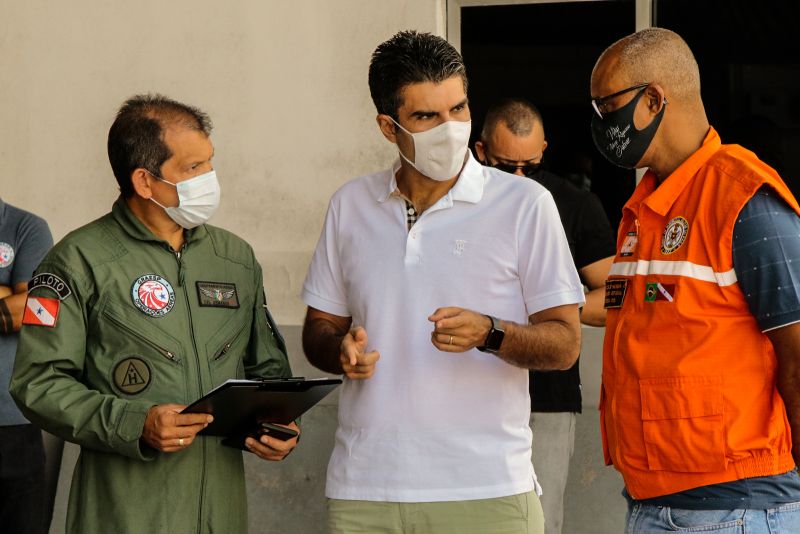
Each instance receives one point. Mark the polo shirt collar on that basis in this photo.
(468, 187)
(660, 198)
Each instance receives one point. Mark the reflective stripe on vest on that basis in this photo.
(686, 269)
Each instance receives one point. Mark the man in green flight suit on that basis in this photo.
(137, 314)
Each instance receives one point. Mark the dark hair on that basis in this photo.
(136, 139)
(518, 114)
(410, 57)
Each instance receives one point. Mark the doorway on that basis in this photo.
(545, 52)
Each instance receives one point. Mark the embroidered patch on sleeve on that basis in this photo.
(50, 281)
(40, 311)
(217, 294)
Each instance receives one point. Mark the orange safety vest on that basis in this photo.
(688, 396)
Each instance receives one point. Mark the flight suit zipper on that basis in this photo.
(161, 350)
(182, 283)
(227, 346)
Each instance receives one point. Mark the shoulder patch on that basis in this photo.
(217, 294)
(6, 255)
(40, 311)
(51, 281)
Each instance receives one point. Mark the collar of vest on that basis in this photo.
(136, 229)
(660, 198)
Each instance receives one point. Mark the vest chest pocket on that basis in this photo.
(682, 423)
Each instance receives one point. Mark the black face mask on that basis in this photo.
(616, 137)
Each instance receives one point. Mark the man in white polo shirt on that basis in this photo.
(417, 267)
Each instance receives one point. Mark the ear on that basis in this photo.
(387, 127)
(141, 181)
(544, 146)
(480, 150)
(655, 98)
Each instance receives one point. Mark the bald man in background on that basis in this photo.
(701, 369)
(513, 140)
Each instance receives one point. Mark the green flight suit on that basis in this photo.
(138, 325)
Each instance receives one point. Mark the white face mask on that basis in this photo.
(439, 153)
(198, 200)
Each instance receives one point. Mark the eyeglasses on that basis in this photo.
(528, 169)
(598, 103)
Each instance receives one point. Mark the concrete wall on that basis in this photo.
(284, 81)
(293, 491)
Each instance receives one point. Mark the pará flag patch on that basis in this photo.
(40, 311)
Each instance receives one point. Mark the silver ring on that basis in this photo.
(180, 442)
(451, 341)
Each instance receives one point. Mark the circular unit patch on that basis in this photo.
(132, 375)
(674, 235)
(153, 295)
(6, 255)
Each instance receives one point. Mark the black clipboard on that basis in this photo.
(238, 406)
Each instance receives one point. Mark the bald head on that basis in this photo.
(517, 114)
(654, 55)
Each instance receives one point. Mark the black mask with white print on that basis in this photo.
(617, 138)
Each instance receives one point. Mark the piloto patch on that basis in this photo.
(217, 294)
(153, 295)
(674, 235)
(132, 375)
(50, 281)
(41, 311)
(6, 255)
(615, 293)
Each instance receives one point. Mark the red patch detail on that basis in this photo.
(40, 311)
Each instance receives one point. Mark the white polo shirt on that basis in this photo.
(430, 425)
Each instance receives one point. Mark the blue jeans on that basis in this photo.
(647, 519)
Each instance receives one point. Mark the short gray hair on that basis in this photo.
(657, 55)
(518, 114)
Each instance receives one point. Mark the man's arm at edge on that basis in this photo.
(12, 307)
(594, 276)
(786, 341)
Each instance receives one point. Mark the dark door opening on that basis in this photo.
(545, 53)
(749, 72)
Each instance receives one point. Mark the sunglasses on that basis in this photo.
(598, 103)
(528, 169)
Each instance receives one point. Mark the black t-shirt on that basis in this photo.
(590, 240)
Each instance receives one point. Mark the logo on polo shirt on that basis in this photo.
(674, 235)
(6, 254)
(458, 248)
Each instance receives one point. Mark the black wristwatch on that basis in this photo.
(494, 338)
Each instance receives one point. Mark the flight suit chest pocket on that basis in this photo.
(227, 349)
(682, 423)
(136, 358)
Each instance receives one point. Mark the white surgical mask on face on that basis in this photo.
(198, 200)
(439, 153)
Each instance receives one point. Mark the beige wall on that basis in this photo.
(285, 82)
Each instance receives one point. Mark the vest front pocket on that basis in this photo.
(682, 423)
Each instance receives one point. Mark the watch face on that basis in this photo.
(495, 337)
(494, 340)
